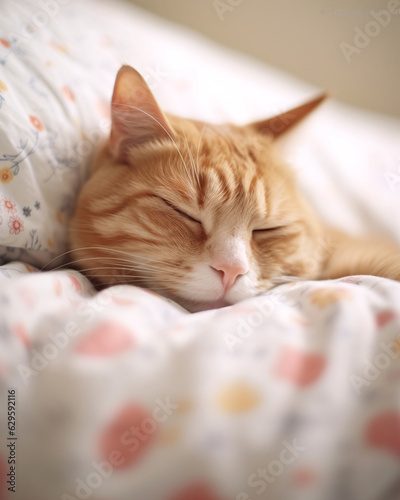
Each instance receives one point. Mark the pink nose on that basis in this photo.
(229, 274)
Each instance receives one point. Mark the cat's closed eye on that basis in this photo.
(268, 229)
(179, 211)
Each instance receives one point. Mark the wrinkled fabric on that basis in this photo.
(123, 394)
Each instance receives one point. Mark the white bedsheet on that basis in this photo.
(122, 395)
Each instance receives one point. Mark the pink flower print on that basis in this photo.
(16, 225)
(36, 123)
(68, 93)
(8, 205)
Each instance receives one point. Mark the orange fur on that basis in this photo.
(168, 196)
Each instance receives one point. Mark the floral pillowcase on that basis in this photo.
(53, 112)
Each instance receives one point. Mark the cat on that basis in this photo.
(206, 215)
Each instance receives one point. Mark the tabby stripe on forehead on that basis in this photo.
(267, 200)
(240, 190)
(224, 185)
(202, 183)
(251, 154)
(255, 181)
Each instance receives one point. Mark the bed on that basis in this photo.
(122, 394)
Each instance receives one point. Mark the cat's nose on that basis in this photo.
(229, 273)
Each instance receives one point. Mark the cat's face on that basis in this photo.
(203, 214)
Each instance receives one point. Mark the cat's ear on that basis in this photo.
(136, 116)
(279, 124)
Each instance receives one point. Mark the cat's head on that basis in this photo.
(204, 214)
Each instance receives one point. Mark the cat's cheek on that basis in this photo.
(201, 284)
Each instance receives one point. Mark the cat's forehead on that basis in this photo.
(221, 185)
(224, 148)
(223, 169)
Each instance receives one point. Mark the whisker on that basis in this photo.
(126, 280)
(106, 249)
(133, 265)
(118, 259)
(128, 270)
(111, 268)
(129, 273)
(130, 276)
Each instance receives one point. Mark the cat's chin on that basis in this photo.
(205, 306)
(193, 305)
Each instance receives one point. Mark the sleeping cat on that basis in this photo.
(206, 215)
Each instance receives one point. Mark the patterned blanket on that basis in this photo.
(124, 395)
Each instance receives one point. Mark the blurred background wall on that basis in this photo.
(349, 47)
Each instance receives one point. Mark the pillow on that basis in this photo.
(54, 88)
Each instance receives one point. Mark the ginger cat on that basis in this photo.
(206, 215)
